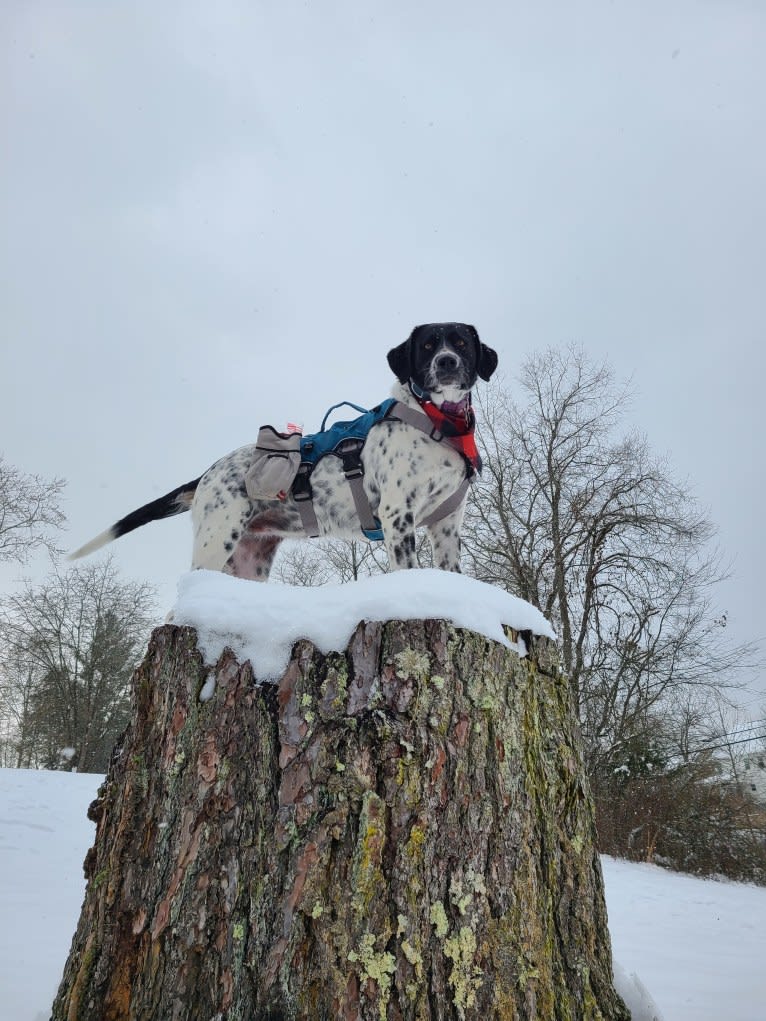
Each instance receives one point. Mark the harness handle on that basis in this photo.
(349, 404)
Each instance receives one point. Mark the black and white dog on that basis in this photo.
(407, 473)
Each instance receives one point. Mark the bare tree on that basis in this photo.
(585, 523)
(29, 510)
(69, 648)
(326, 561)
(329, 560)
(17, 686)
(685, 803)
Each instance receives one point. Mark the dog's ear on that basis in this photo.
(486, 357)
(487, 361)
(400, 358)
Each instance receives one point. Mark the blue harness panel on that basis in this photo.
(316, 445)
(343, 435)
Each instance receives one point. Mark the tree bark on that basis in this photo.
(401, 831)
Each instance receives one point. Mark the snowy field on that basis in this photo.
(699, 947)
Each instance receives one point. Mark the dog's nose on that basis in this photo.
(447, 360)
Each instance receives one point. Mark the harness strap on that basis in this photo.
(449, 505)
(418, 419)
(350, 451)
(308, 518)
(301, 491)
(367, 519)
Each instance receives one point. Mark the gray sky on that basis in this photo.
(218, 215)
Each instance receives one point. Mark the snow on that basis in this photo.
(699, 946)
(635, 995)
(44, 834)
(261, 622)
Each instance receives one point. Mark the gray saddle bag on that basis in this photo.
(276, 463)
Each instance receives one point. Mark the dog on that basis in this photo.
(407, 473)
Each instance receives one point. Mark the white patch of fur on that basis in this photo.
(450, 394)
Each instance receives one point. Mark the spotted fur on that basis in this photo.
(406, 476)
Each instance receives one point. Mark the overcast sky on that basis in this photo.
(221, 214)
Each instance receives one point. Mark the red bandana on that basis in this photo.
(458, 428)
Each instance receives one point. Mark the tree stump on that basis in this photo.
(400, 831)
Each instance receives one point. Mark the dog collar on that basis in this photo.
(418, 392)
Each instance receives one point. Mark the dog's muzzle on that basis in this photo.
(446, 369)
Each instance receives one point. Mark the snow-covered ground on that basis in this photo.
(44, 834)
(698, 946)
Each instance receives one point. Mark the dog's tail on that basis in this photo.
(176, 502)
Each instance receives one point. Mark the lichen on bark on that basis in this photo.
(400, 831)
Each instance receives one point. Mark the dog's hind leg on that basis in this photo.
(255, 550)
(253, 556)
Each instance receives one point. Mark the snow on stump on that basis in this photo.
(401, 830)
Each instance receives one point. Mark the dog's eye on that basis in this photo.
(429, 345)
(459, 342)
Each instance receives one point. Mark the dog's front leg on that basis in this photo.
(399, 536)
(444, 536)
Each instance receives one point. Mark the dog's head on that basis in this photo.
(444, 359)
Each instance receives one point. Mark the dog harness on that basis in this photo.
(346, 440)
